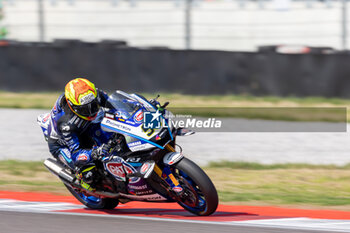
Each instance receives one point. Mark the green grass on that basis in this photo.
(255, 99)
(29, 183)
(28, 176)
(282, 184)
(237, 106)
(259, 166)
(46, 100)
(20, 167)
(274, 198)
(27, 100)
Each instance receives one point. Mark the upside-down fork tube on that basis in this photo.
(170, 148)
(166, 173)
(168, 177)
(159, 171)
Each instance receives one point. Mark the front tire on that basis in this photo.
(194, 179)
(93, 202)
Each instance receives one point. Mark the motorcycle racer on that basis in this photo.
(74, 133)
(141, 165)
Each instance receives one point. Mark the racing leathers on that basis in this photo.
(71, 139)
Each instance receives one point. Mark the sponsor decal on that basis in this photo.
(155, 197)
(134, 143)
(82, 157)
(65, 128)
(133, 159)
(117, 125)
(66, 152)
(145, 168)
(87, 98)
(46, 117)
(141, 187)
(71, 121)
(141, 147)
(110, 116)
(77, 120)
(138, 116)
(177, 189)
(130, 122)
(116, 169)
(130, 170)
(151, 197)
(144, 192)
(54, 109)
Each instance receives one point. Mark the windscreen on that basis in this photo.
(124, 105)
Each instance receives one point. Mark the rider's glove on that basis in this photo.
(99, 152)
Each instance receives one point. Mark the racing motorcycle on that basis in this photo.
(145, 163)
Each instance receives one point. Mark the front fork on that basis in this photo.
(167, 175)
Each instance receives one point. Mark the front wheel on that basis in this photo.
(93, 202)
(201, 197)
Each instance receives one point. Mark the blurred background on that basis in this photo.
(261, 47)
(196, 53)
(239, 25)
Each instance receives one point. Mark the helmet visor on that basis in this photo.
(87, 110)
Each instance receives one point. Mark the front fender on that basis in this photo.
(172, 158)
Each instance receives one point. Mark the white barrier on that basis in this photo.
(221, 25)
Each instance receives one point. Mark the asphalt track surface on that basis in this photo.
(41, 212)
(17, 222)
(21, 138)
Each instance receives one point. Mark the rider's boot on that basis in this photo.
(86, 176)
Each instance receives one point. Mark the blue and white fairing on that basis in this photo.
(125, 116)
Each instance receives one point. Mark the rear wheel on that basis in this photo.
(93, 202)
(200, 196)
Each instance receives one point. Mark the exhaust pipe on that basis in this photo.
(57, 169)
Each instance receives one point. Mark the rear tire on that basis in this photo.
(203, 186)
(93, 202)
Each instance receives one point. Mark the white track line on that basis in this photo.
(294, 223)
(306, 223)
(48, 206)
(238, 223)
